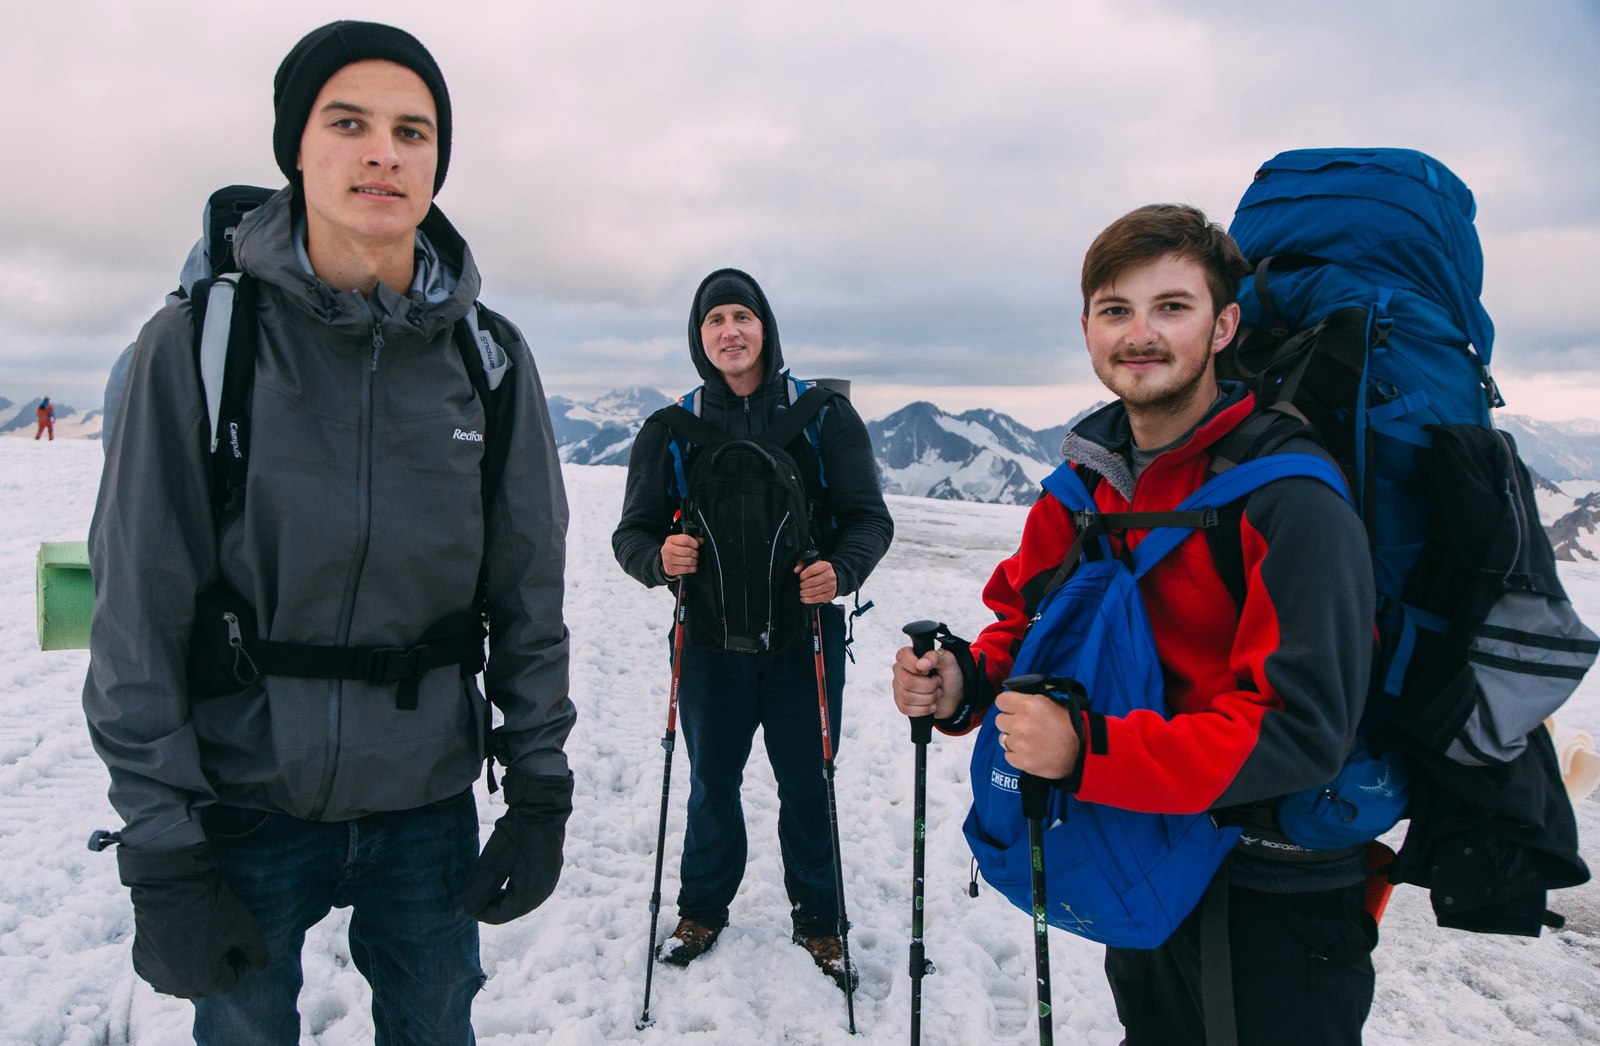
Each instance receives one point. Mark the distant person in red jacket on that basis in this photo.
(47, 419)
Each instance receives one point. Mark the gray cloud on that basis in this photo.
(914, 183)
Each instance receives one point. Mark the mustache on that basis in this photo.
(1123, 355)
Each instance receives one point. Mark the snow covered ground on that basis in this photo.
(573, 972)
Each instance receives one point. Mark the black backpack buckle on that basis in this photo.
(392, 664)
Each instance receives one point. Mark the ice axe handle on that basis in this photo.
(922, 633)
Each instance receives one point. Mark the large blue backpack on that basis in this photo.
(1362, 317)
(1115, 876)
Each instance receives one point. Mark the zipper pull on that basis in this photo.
(236, 640)
(377, 344)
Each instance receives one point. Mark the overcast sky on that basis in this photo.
(914, 184)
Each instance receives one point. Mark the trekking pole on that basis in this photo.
(1035, 792)
(921, 633)
(668, 742)
(833, 806)
(1035, 795)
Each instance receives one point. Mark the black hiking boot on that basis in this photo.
(828, 953)
(687, 943)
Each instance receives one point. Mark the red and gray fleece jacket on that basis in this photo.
(1264, 697)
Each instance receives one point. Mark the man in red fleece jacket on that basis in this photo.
(1264, 696)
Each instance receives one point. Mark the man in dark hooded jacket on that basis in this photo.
(725, 694)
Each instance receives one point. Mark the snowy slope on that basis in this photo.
(573, 972)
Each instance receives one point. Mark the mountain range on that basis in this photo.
(985, 455)
(989, 456)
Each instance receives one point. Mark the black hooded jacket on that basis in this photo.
(861, 527)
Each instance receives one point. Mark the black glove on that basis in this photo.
(521, 862)
(191, 936)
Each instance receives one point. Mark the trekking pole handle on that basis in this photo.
(1035, 791)
(922, 633)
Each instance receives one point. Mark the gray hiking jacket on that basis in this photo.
(362, 525)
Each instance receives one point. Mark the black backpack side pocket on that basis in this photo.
(1510, 649)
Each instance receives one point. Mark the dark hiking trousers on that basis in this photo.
(722, 698)
(1302, 973)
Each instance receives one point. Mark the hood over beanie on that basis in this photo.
(323, 52)
(732, 287)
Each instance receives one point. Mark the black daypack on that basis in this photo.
(747, 502)
(227, 654)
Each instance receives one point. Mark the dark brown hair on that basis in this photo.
(1144, 235)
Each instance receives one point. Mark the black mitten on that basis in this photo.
(191, 936)
(521, 862)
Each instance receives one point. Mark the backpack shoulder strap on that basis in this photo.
(1263, 433)
(1229, 487)
(226, 338)
(678, 440)
(792, 422)
(1069, 488)
(486, 329)
(1075, 492)
(691, 427)
(478, 337)
(813, 429)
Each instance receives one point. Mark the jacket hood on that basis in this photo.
(266, 246)
(771, 349)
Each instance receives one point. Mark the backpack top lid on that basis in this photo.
(1395, 217)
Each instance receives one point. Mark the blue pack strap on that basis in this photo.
(1386, 419)
(797, 388)
(1382, 322)
(679, 487)
(1229, 487)
(1068, 488)
(680, 481)
(1411, 618)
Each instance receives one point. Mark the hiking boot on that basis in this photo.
(828, 953)
(687, 943)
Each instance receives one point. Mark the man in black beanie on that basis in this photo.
(336, 766)
(736, 674)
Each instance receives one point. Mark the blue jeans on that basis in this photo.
(402, 873)
(722, 698)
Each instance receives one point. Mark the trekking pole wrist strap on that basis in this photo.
(976, 694)
(1086, 725)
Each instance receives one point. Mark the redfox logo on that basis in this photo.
(468, 435)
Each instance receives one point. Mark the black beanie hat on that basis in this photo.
(323, 52)
(729, 287)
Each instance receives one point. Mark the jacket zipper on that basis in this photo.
(1519, 510)
(358, 563)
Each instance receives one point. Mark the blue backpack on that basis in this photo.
(1362, 317)
(1115, 876)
